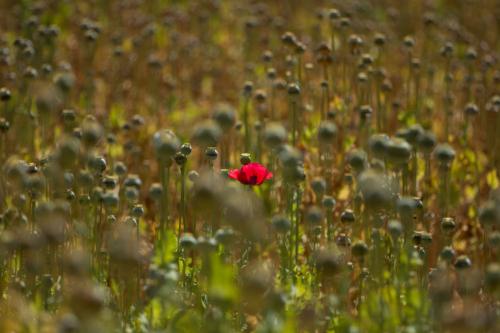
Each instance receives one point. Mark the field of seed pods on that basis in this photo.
(219, 166)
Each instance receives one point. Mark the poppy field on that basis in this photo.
(250, 166)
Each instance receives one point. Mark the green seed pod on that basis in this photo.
(92, 132)
(207, 134)
(211, 153)
(329, 202)
(180, 159)
(471, 110)
(314, 215)
(187, 241)
(395, 228)
(379, 39)
(274, 135)
(4, 125)
(462, 262)
(318, 185)
(347, 217)
(120, 168)
(138, 211)
(444, 154)
(5, 94)
(245, 158)
(398, 151)
(448, 225)
(110, 182)
(247, 89)
(328, 263)
(375, 192)
(206, 245)
(492, 277)
(110, 200)
(359, 249)
(293, 89)
(281, 224)
(166, 144)
(155, 191)
(426, 142)
(343, 240)
(357, 160)
(489, 214)
(225, 116)
(409, 42)
(327, 133)
(225, 236)
(186, 149)
(132, 181)
(377, 144)
(447, 254)
(193, 175)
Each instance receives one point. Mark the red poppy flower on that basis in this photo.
(251, 174)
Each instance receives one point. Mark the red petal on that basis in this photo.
(234, 174)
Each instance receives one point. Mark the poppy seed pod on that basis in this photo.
(376, 193)
(471, 109)
(207, 134)
(5, 94)
(120, 168)
(448, 224)
(447, 253)
(377, 144)
(444, 154)
(398, 151)
(342, 240)
(281, 223)
(187, 241)
(225, 116)
(333, 14)
(245, 158)
(463, 262)
(166, 144)
(395, 228)
(329, 202)
(379, 39)
(225, 236)
(426, 142)
(180, 159)
(211, 153)
(359, 249)
(186, 149)
(328, 263)
(492, 276)
(327, 132)
(193, 175)
(293, 89)
(347, 217)
(289, 39)
(406, 207)
(489, 214)
(4, 125)
(274, 135)
(91, 132)
(357, 160)
(447, 50)
(318, 185)
(155, 191)
(247, 89)
(206, 245)
(314, 215)
(133, 181)
(409, 42)
(411, 134)
(67, 152)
